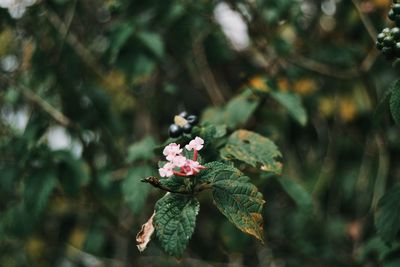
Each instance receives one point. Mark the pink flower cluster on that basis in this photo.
(177, 163)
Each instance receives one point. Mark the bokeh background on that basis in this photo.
(88, 88)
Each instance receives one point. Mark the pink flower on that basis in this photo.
(178, 161)
(187, 167)
(191, 167)
(195, 144)
(167, 170)
(172, 150)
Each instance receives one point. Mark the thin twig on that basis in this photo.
(329, 161)
(84, 53)
(202, 187)
(321, 68)
(35, 99)
(369, 60)
(70, 17)
(365, 20)
(73, 41)
(365, 170)
(205, 73)
(383, 170)
(154, 181)
(49, 109)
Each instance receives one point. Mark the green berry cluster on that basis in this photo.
(388, 41)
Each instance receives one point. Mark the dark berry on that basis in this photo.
(397, 49)
(395, 33)
(391, 15)
(388, 52)
(187, 128)
(183, 114)
(380, 37)
(174, 130)
(193, 119)
(396, 9)
(388, 41)
(390, 57)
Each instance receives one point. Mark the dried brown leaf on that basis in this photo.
(144, 236)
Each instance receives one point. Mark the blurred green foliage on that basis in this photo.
(89, 88)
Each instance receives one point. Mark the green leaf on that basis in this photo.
(213, 116)
(395, 102)
(71, 172)
(18, 221)
(142, 150)
(153, 42)
(142, 66)
(392, 263)
(253, 149)
(382, 105)
(240, 108)
(388, 216)
(297, 192)
(95, 240)
(121, 35)
(174, 221)
(239, 200)
(134, 191)
(208, 174)
(236, 112)
(210, 132)
(8, 179)
(176, 184)
(292, 103)
(375, 246)
(38, 188)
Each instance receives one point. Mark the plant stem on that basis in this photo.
(202, 187)
(154, 181)
(180, 174)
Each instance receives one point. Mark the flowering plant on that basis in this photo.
(183, 177)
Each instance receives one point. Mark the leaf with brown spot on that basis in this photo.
(238, 199)
(253, 149)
